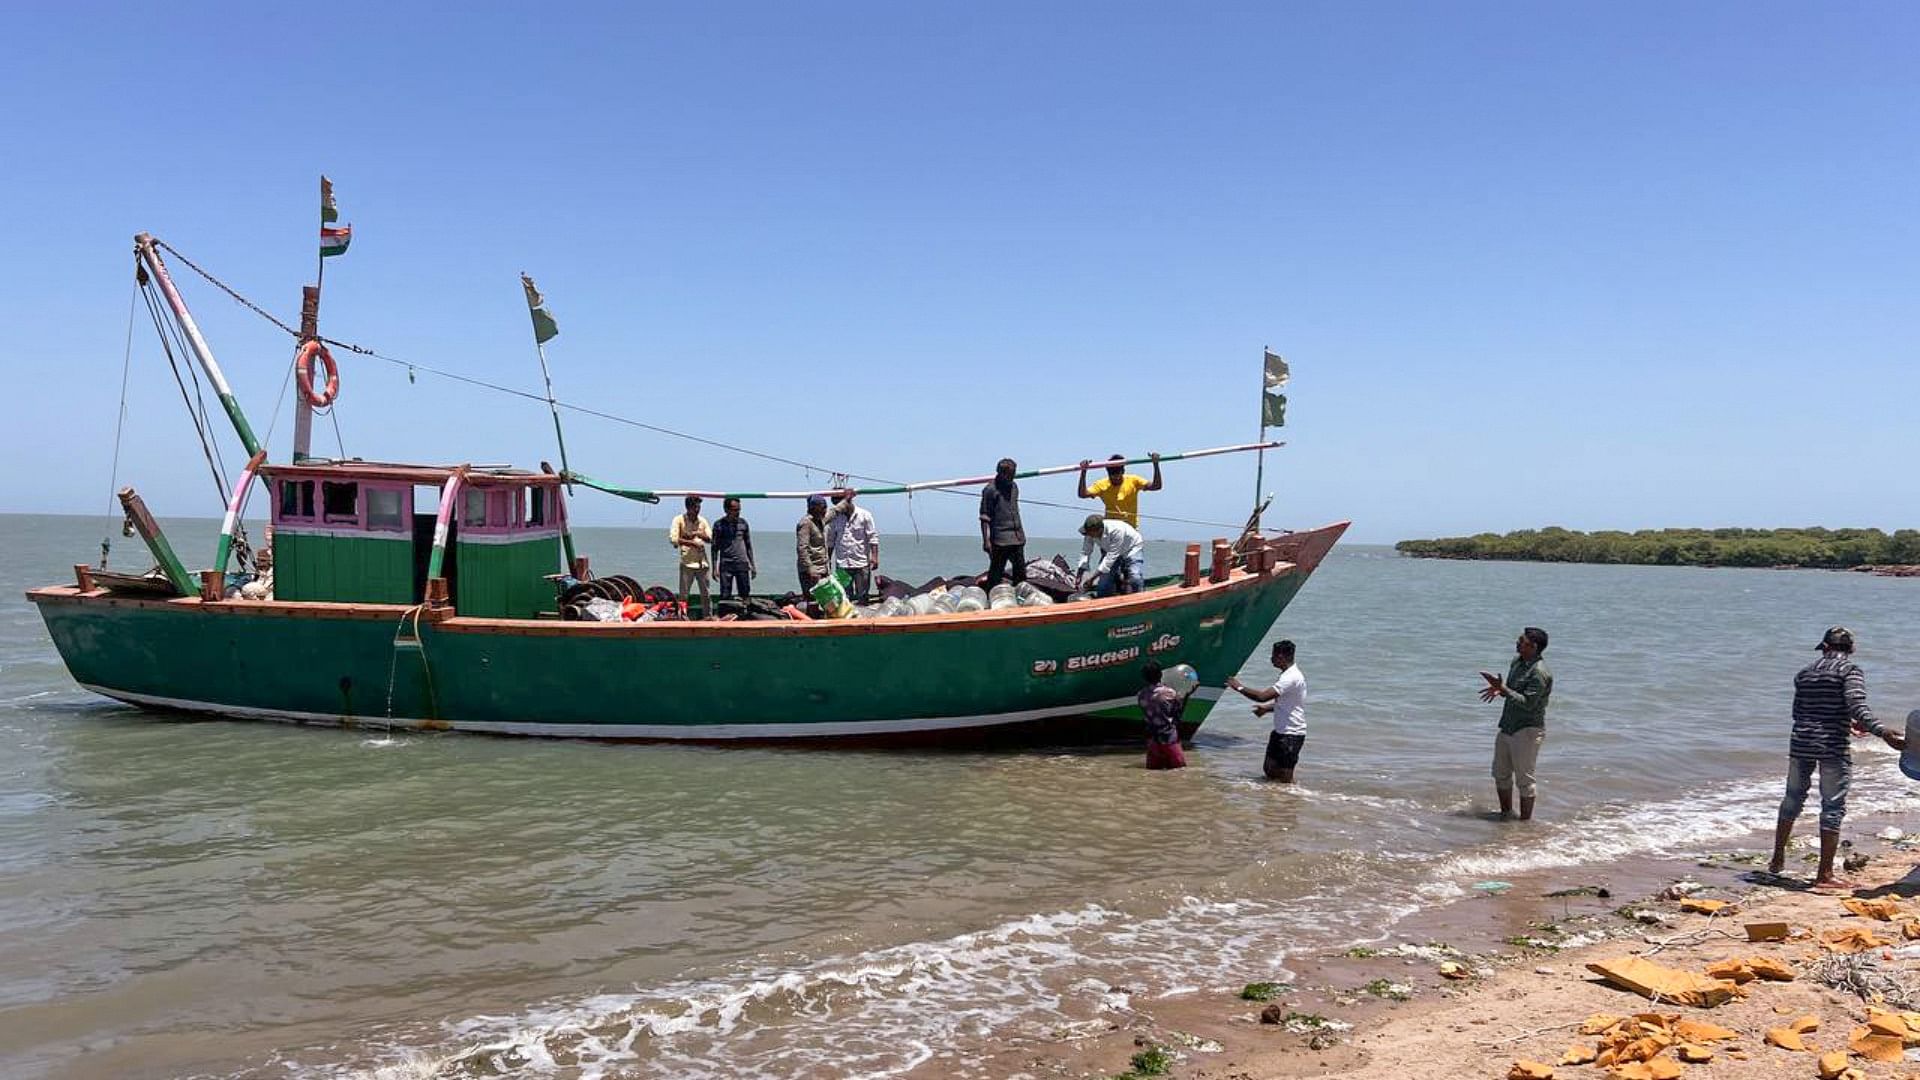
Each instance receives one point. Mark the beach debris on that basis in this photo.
(1849, 939)
(1155, 1060)
(1600, 891)
(1273, 1014)
(1863, 975)
(1879, 908)
(1530, 1070)
(1390, 990)
(1806, 1025)
(1770, 969)
(1732, 970)
(1680, 890)
(1855, 862)
(1833, 1065)
(1261, 991)
(1579, 1054)
(1600, 1023)
(1693, 1053)
(1195, 1042)
(1697, 906)
(1453, 969)
(1910, 930)
(1492, 886)
(1699, 1031)
(1784, 1038)
(1768, 931)
(1655, 982)
(1873, 1047)
(1654, 1068)
(1891, 832)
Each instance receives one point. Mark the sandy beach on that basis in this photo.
(1388, 1011)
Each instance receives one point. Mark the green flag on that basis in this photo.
(1273, 404)
(544, 328)
(1273, 409)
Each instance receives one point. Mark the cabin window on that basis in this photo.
(536, 507)
(340, 502)
(475, 511)
(500, 510)
(383, 510)
(296, 498)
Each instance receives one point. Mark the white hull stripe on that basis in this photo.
(636, 731)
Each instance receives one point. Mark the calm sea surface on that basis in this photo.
(215, 898)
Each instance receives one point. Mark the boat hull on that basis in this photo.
(1065, 674)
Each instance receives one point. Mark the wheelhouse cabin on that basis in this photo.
(356, 532)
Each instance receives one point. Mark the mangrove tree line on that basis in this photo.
(1833, 549)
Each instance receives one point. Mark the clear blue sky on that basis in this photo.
(1598, 265)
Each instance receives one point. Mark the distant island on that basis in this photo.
(1824, 549)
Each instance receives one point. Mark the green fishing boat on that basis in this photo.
(381, 617)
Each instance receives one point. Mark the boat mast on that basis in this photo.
(302, 408)
(148, 254)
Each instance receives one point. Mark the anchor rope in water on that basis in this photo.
(601, 414)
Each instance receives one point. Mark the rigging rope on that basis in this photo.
(119, 425)
(166, 346)
(598, 413)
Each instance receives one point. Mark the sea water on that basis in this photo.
(240, 899)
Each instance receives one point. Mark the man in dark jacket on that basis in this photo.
(733, 552)
(810, 544)
(1829, 704)
(1002, 536)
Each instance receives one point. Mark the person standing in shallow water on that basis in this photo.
(1286, 702)
(1162, 706)
(1523, 720)
(1829, 704)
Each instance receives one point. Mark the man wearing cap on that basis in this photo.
(1119, 544)
(1523, 720)
(1829, 705)
(810, 544)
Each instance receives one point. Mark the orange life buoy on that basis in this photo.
(303, 369)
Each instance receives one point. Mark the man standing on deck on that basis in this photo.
(1523, 720)
(855, 543)
(1119, 490)
(1002, 536)
(733, 551)
(1119, 544)
(1829, 703)
(810, 544)
(1286, 701)
(690, 535)
(1162, 706)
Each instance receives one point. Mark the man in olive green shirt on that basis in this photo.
(1523, 720)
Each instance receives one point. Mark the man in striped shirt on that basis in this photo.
(1829, 705)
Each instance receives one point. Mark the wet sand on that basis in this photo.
(1385, 1011)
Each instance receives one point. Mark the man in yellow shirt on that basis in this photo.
(1120, 490)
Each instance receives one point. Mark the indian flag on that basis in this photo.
(328, 210)
(334, 241)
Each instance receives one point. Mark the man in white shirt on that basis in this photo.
(1286, 700)
(1120, 545)
(854, 542)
